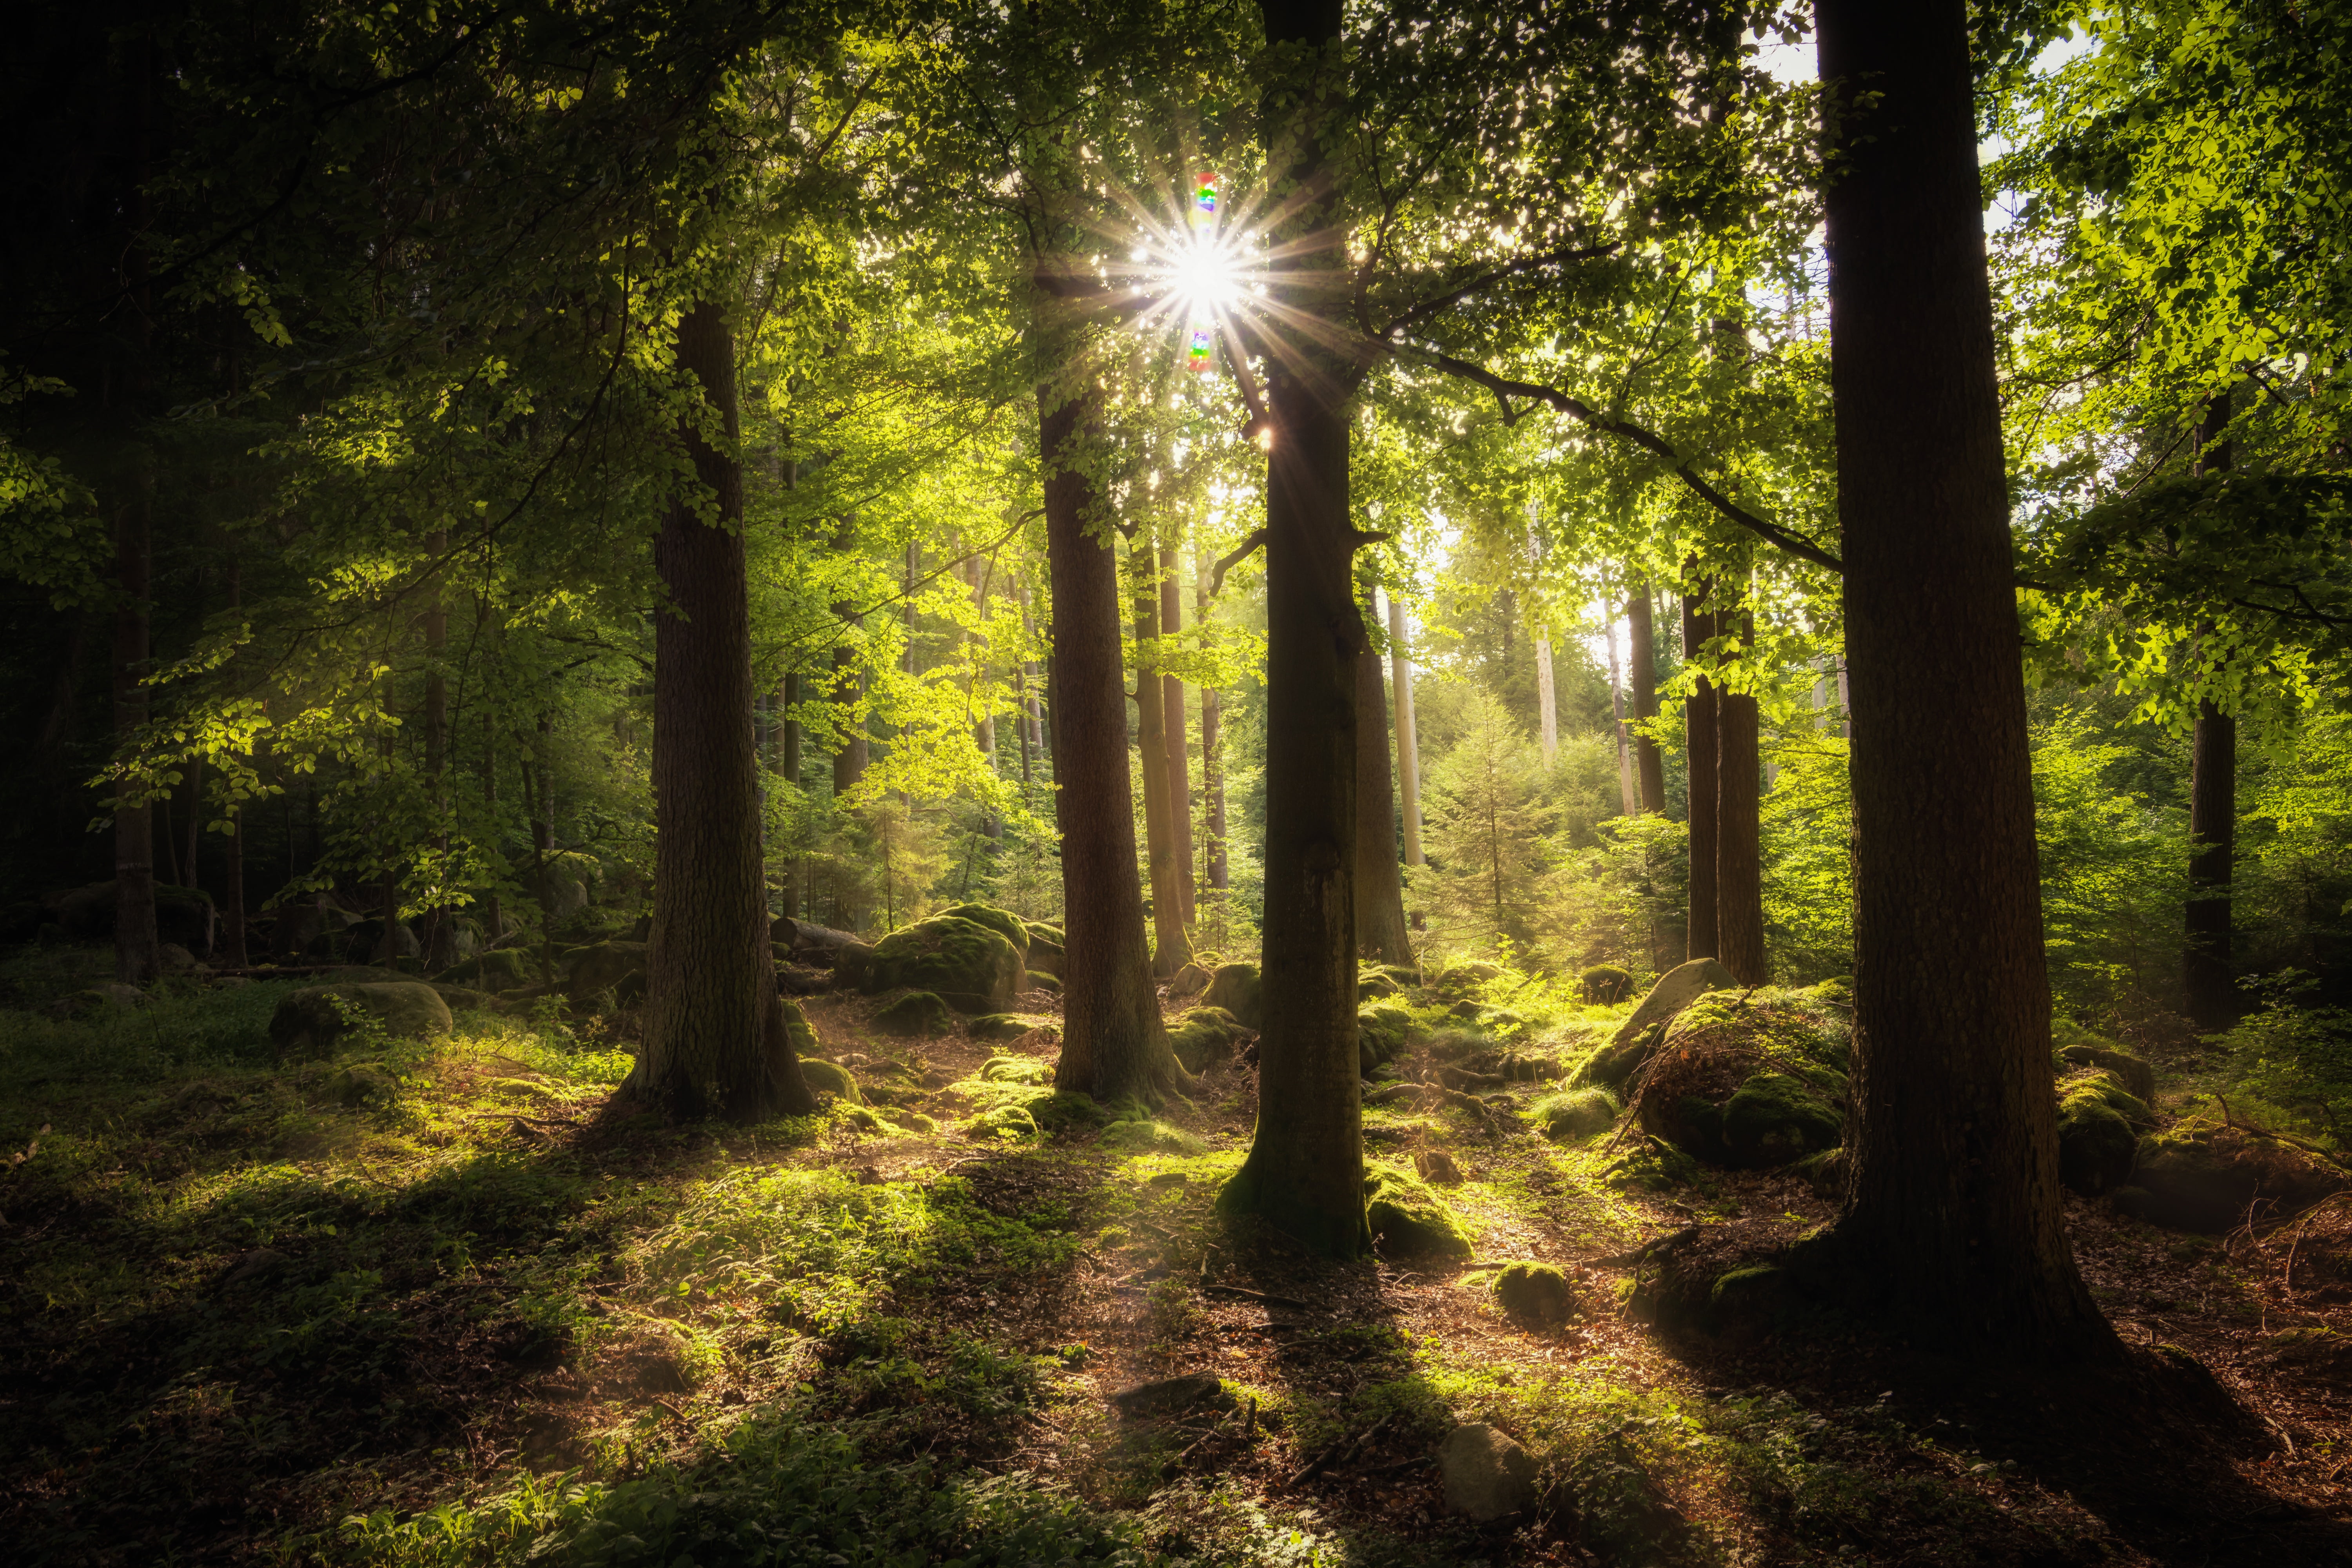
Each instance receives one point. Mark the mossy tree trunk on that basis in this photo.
(1951, 1224)
(1701, 762)
(1305, 1172)
(1114, 1045)
(715, 1037)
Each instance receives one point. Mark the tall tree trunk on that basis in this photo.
(439, 947)
(2210, 985)
(1113, 1042)
(715, 1036)
(1212, 743)
(234, 954)
(1641, 672)
(137, 951)
(494, 921)
(1951, 1224)
(1179, 774)
(1381, 930)
(542, 845)
(850, 750)
(1699, 729)
(1739, 850)
(1305, 1172)
(1630, 801)
(1171, 949)
(788, 764)
(1408, 740)
(1546, 700)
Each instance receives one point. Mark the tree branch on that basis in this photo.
(1430, 307)
(1233, 558)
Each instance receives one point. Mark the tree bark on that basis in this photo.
(2208, 980)
(715, 1040)
(1951, 1224)
(1628, 797)
(137, 951)
(850, 751)
(493, 910)
(1114, 1045)
(1642, 673)
(1179, 780)
(1381, 930)
(439, 948)
(1408, 741)
(1170, 949)
(233, 945)
(1739, 851)
(1212, 743)
(1699, 729)
(1305, 1171)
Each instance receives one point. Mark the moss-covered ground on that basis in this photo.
(438, 1303)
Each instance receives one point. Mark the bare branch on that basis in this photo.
(1234, 557)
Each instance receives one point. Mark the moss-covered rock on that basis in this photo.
(308, 1021)
(2095, 1144)
(916, 1014)
(1746, 1082)
(1651, 1165)
(1574, 1113)
(1824, 1171)
(588, 970)
(2077, 1047)
(972, 967)
(1004, 1124)
(1049, 984)
(1409, 1219)
(1613, 1064)
(2103, 1085)
(833, 1079)
(1535, 1293)
(500, 969)
(1236, 988)
(1372, 986)
(1045, 950)
(1383, 1033)
(1461, 979)
(1203, 1036)
(1604, 984)
(1017, 1070)
(1068, 1112)
(2201, 1176)
(992, 1026)
(1189, 981)
(1004, 923)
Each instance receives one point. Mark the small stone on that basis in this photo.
(1488, 1476)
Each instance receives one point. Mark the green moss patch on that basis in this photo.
(1409, 1219)
(917, 1015)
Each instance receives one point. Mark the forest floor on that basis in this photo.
(440, 1304)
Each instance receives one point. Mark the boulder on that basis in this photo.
(1634, 1040)
(1189, 981)
(2097, 1145)
(1045, 950)
(1051, 984)
(1575, 1113)
(2131, 1074)
(1746, 1083)
(1375, 986)
(309, 1020)
(1488, 1476)
(1204, 1035)
(500, 969)
(1461, 979)
(1004, 923)
(1535, 1293)
(1017, 1070)
(916, 1014)
(831, 1077)
(1604, 984)
(1006, 1123)
(972, 967)
(1236, 988)
(1410, 1220)
(1381, 1035)
(364, 943)
(589, 970)
(991, 1026)
(2201, 1176)
(182, 915)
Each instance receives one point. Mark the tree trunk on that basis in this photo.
(438, 946)
(494, 921)
(1212, 743)
(233, 947)
(137, 951)
(1951, 1224)
(1641, 672)
(1739, 851)
(1114, 1045)
(1546, 700)
(850, 751)
(1170, 949)
(1408, 741)
(1179, 777)
(715, 1039)
(542, 845)
(788, 762)
(1699, 728)
(1629, 801)
(2210, 985)
(1305, 1173)
(1381, 930)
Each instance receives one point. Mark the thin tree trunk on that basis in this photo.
(1113, 1042)
(2209, 981)
(542, 845)
(1180, 773)
(137, 949)
(1171, 949)
(1213, 742)
(715, 1034)
(1381, 930)
(1305, 1172)
(850, 750)
(788, 762)
(1699, 728)
(1739, 851)
(1546, 700)
(1408, 740)
(233, 946)
(438, 948)
(1629, 802)
(1951, 1224)
(493, 912)
(1640, 634)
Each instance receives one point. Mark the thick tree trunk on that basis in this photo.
(1305, 1172)
(1180, 773)
(1739, 851)
(1408, 741)
(714, 1041)
(137, 952)
(1951, 1224)
(1171, 949)
(1699, 712)
(1642, 673)
(1114, 1045)
(2210, 983)
(1381, 930)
